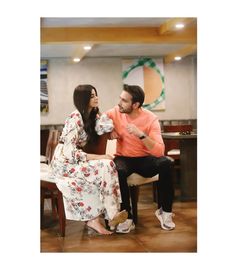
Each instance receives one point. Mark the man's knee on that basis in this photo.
(165, 162)
(120, 166)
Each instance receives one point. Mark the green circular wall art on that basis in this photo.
(150, 63)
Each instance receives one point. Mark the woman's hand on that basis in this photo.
(96, 157)
(107, 156)
(114, 135)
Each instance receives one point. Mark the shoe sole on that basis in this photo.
(119, 218)
(132, 227)
(163, 226)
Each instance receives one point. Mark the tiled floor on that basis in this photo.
(147, 237)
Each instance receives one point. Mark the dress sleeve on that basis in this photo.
(71, 134)
(103, 124)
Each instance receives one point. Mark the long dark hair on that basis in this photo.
(82, 96)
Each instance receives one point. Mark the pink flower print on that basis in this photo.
(96, 172)
(72, 170)
(72, 115)
(65, 174)
(89, 208)
(104, 183)
(81, 204)
(84, 169)
(115, 192)
(87, 174)
(78, 189)
(73, 183)
(112, 164)
(79, 123)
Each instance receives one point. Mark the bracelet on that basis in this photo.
(142, 136)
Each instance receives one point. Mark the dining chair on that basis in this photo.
(172, 146)
(134, 181)
(44, 134)
(48, 185)
(47, 190)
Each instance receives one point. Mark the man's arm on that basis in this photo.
(152, 140)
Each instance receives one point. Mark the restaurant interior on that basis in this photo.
(159, 54)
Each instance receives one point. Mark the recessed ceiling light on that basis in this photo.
(76, 59)
(87, 47)
(177, 58)
(179, 25)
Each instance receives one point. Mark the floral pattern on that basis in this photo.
(89, 187)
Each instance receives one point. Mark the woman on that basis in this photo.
(89, 182)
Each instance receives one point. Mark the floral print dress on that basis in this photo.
(89, 187)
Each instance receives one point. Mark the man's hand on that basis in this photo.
(132, 129)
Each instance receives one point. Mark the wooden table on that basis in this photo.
(188, 163)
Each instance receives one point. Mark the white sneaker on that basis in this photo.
(165, 219)
(125, 227)
(112, 228)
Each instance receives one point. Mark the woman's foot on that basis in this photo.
(120, 217)
(98, 227)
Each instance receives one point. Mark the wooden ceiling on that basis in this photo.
(65, 37)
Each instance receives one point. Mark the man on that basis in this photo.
(140, 149)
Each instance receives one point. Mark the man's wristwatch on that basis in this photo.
(142, 136)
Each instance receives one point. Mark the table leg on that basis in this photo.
(188, 169)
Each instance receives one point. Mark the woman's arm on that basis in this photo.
(96, 157)
(103, 124)
(73, 126)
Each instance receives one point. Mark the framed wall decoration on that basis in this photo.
(148, 73)
(44, 86)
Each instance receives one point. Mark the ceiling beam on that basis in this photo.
(115, 35)
(80, 52)
(187, 50)
(169, 26)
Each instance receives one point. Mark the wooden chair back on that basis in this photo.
(100, 147)
(174, 144)
(53, 140)
(44, 133)
(177, 128)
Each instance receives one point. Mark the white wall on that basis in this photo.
(105, 75)
(181, 90)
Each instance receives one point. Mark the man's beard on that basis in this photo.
(127, 111)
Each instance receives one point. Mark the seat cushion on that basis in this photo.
(136, 179)
(45, 173)
(44, 167)
(43, 158)
(173, 152)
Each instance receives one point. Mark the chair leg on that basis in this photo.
(61, 214)
(53, 204)
(41, 208)
(134, 192)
